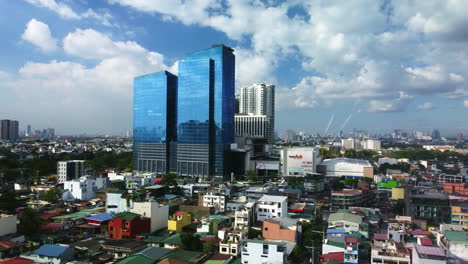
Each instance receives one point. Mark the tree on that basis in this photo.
(170, 180)
(251, 176)
(208, 247)
(52, 196)
(8, 201)
(191, 242)
(350, 153)
(29, 222)
(336, 184)
(253, 233)
(297, 255)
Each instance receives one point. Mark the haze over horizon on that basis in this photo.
(388, 64)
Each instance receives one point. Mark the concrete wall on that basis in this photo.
(159, 213)
(7, 224)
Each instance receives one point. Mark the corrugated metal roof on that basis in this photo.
(51, 250)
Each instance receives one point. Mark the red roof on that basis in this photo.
(333, 256)
(6, 245)
(425, 241)
(158, 180)
(352, 240)
(16, 260)
(421, 233)
(179, 213)
(380, 236)
(52, 226)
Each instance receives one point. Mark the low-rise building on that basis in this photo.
(281, 229)
(348, 222)
(178, 220)
(139, 180)
(55, 254)
(244, 215)
(213, 223)
(431, 206)
(270, 206)
(428, 255)
(127, 225)
(262, 251)
(231, 242)
(214, 200)
(83, 189)
(389, 252)
(454, 178)
(158, 213)
(456, 245)
(346, 198)
(7, 224)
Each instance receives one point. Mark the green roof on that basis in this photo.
(174, 239)
(138, 258)
(215, 261)
(155, 239)
(127, 216)
(184, 255)
(457, 236)
(336, 243)
(77, 215)
(387, 184)
(345, 217)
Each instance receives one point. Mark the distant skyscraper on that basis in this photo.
(154, 122)
(459, 137)
(29, 130)
(256, 115)
(205, 119)
(436, 134)
(9, 130)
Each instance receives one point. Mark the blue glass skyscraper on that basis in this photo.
(154, 122)
(205, 122)
(186, 124)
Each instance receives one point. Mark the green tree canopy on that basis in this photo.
(29, 222)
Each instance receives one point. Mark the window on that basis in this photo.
(266, 228)
(223, 249)
(233, 251)
(273, 210)
(279, 214)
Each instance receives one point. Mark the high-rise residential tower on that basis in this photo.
(70, 169)
(256, 117)
(154, 122)
(205, 120)
(9, 130)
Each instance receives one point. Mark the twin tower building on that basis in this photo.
(185, 124)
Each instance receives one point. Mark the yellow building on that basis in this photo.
(178, 221)
(398, 193)
(459, 215)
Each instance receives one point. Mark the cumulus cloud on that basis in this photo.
(61, 9)
(84, 96)
(426, 106)
(38, 33)
(66, 12)
(360, 58)
(465, 103)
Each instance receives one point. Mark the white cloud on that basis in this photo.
(61, 9)
(104, 18)
(84, 96)
(465, 103)
(39, 34)
(426, 106)
(347, 50)
(4, 75)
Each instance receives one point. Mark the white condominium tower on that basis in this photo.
(256, 117)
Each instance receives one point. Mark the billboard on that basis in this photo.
(300, 162)
(267, 166)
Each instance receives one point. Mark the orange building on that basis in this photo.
(455, 188)
(281, 229)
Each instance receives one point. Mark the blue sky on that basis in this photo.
(387, 64)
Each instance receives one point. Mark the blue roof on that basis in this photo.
(336, 231)
(51, 250)
(298, 191)
(101, 217)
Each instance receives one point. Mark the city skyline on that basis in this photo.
(70, 65)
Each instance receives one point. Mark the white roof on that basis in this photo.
(364, 163)
(272, 198)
